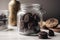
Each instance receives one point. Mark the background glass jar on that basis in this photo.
(28, 18)
(3, 19)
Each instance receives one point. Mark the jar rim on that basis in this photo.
(23, 6)
(30, 4)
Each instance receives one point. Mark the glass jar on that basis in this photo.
(28, 18)
(3, 19)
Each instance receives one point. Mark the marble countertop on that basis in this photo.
(14, 35)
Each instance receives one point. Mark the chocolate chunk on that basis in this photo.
(51, 33)
(36, 18)
(43, 35)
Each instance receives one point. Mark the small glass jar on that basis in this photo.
(28, 18)
(3, 19)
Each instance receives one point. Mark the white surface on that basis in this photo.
(14, 35)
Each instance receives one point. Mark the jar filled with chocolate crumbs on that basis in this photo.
(28, 18)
